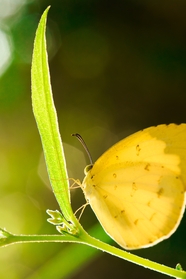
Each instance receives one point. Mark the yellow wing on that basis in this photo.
(137, 187)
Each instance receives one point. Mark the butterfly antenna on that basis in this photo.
(84, 145)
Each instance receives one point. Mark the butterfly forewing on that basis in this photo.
(137, 187)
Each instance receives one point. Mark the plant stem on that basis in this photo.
(133, 258)
(85, 238)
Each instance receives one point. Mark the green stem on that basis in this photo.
(15, 239)
(133, 258)
(85, 238)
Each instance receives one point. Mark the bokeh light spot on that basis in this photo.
(10, 7)
(5, 51)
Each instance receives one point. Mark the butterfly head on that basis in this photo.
(88, 168)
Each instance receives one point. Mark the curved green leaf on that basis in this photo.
(46, 118)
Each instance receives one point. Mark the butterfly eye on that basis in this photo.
(87, 169)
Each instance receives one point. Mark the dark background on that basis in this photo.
(116, 67)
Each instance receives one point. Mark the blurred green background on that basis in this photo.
(116, 67)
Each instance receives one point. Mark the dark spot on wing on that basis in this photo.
(138, 149)
(114, 175)
(134, 189)
(160, 192)
(136, 221)
(147, 167)
(149, 203)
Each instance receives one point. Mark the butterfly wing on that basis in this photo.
(137, 187)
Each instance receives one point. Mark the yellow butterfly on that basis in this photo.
(137, 187)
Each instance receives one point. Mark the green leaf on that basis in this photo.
(46, 118)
